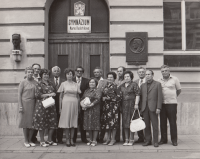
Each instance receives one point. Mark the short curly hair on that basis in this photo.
(130, 74)
(68, 70)
(113, 74)
(42, 71)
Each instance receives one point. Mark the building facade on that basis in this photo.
(173, 38)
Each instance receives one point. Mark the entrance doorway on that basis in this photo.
(89, 50)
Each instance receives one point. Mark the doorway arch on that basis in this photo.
(69, 50)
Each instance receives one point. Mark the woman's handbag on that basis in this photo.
(48, 102)
(137, 124)
(85, 102)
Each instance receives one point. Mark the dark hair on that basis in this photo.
(36, 64)
(112, 73)
(124, 69)
(68, 70)
(151, 72)
(42, 71)
(80, 67)
(92, 78)
(130, 73)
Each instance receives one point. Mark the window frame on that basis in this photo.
(183, 51)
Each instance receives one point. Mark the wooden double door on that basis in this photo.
(89, 50)
(75, 52)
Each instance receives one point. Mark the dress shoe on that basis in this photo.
(162, 142)
(60, 142)
(100, 141)
(156, 144)
(174, 143)
(68, 145)
(147, 143)
(139, 141)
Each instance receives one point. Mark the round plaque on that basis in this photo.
(136, 45)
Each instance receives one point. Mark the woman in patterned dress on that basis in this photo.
(91, 120)
(69, 106)
(130, 99)
(111, 97)
(26, 100)
(45, 118)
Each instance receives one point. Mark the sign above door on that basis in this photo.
(79, 23)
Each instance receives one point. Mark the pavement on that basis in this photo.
(186, 143)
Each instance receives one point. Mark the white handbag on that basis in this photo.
(85, 102)
(48, 102)
(137, 124)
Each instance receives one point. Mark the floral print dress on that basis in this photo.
(44, 118)
(129, 94)
(109, 118)
(91, 119)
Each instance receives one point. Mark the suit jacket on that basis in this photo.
(54, 84)
(84, 85)
(153, 97)
(137, 81)
(101, 85)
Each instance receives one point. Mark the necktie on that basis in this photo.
(56, 83)
(141, 82)
(78, 80)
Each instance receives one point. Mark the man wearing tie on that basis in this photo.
(150, 105)
(83, 83)
(141, 73)
(56, 81)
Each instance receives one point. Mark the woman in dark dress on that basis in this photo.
(91, 120)
(26, 99)
(45, 118)
(130, 99)
(109, 119)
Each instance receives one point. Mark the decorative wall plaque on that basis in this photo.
(79, 8)
(136, 48)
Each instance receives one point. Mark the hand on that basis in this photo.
(52, 94)
(21, 109)
(157, 111)
(136, 106)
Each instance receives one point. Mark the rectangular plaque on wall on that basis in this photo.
(136, 48)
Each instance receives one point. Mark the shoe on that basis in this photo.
(51, 143)
(126, 143)
(162, 142)
(94, 143)
(131, 143)
(156, 144)
(72, 143)
(68, 145)
(43, 144)
(107, 142)
(174, 143)
(112, 142)
(139, 141)
(147, 143)
(32, 144)
(27, 145)
(100, 141)
(89, 143)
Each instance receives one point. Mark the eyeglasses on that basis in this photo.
(79, 71)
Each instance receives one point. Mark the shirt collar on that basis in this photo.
(57, 78)
(170, 76)
(78, 78)
(101, 79)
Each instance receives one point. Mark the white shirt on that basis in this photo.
(57, 80)
(101, 79)
(141, 80)
(78, 79)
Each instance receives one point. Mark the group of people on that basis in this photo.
(111, 100)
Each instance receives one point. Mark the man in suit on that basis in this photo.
(141, 73)
(56, 81)
(98, 73)
(150, 105)
(83, 83)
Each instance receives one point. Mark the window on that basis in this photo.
(182, 25)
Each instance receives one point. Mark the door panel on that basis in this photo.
(79, 54)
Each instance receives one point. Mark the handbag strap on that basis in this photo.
(134, 113)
